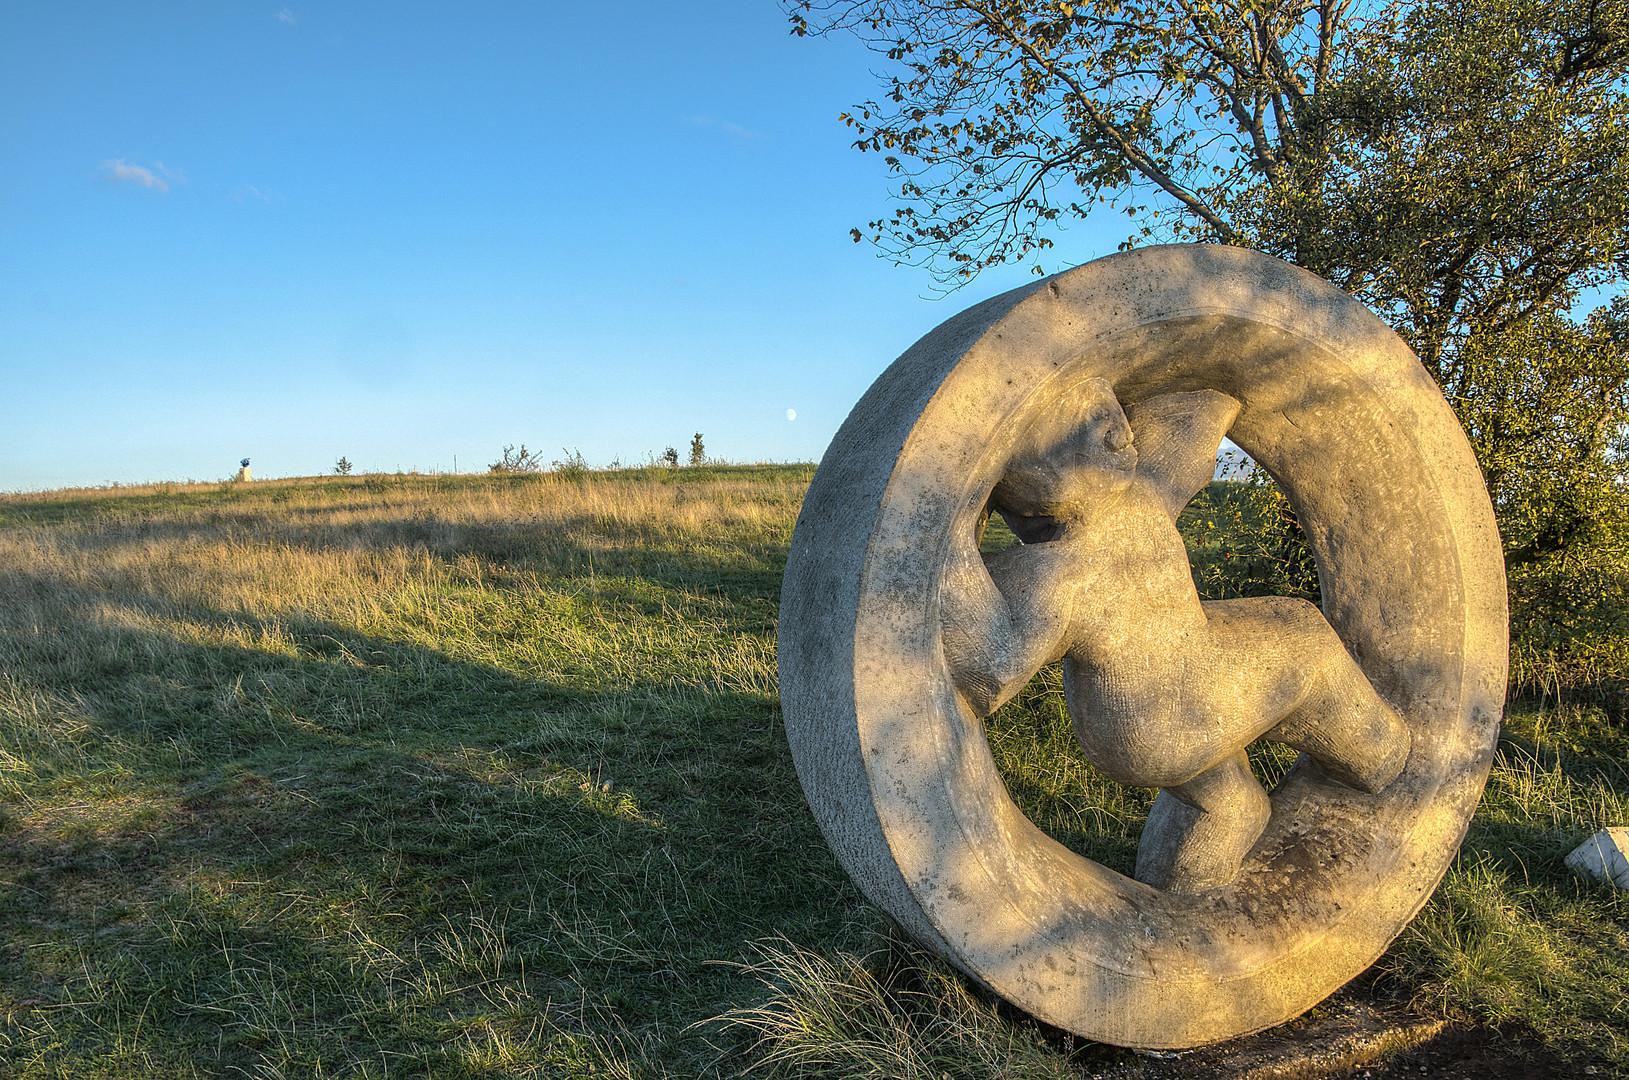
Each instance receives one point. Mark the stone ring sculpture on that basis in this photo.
(1086, 410)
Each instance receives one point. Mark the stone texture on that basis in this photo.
(883, 703)
(1604, 857)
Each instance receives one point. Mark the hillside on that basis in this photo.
(484, 776)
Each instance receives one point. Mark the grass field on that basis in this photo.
(485, 777)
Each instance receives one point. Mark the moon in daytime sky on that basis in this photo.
(791, 414)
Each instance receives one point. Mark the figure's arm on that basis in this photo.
(1002, 621)
(1177, 436)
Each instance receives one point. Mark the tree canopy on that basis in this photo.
(1250, 122)
(1462, 168)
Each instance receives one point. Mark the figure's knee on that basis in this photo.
(1353, 734)
(1146, 754)
(1377, 745)
(1229, 790)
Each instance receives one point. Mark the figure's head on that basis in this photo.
(1075, 455)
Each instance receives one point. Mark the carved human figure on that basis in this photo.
(1164, 690)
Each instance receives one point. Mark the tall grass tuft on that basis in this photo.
(895, 1013)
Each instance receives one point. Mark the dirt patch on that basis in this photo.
(1355, 1036)
(1472, 1053)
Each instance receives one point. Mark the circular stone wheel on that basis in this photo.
(896, 767)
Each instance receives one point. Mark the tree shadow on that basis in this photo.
(349, 843)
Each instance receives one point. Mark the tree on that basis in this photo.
(1459, 167)
(698, 450)
(342, 467)
(1462, 168)
(1245, 121)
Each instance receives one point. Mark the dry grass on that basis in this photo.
(893, 1014)
(393, 777)
(484, 776)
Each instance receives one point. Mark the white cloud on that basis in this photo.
(246, 192)
(286, 16)
(155, 178)
(733, 130)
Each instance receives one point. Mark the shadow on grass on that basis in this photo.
(351, 848)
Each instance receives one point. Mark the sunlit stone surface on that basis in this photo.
(1086, 410)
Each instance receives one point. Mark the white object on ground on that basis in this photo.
(1604, 856)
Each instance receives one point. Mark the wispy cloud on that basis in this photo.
(286, 16)
(155, 177)
(245, 192)
(735, 131)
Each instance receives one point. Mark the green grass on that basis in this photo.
(485, 776)
(330, 786)
(1512, 936)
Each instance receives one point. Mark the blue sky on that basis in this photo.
(409, 232)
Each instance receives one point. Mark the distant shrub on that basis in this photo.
(1245, 540)
(670, 458)
(698, 451)
(342, 467)
(574, 467)
(516, 461)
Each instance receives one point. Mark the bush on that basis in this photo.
(516, 461)
(1569, 600)
(1245, 540)
(574, 467)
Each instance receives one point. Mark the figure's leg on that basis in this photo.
(1277, 660)
(1348, 729)
(1199, 832)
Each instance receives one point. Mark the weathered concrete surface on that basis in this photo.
(893, 759)
(1604, 857)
